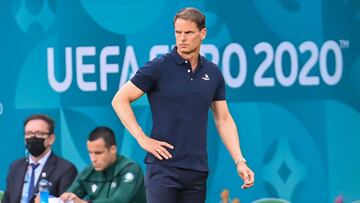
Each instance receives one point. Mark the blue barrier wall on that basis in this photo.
(292, 70)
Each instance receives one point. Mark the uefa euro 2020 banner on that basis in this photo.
(292, 73)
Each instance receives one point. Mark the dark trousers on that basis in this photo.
(165, 184)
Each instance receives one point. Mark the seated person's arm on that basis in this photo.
(71, 196)
(75, 191)
(125, 191)
(127, 188)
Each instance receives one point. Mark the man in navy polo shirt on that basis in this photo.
(181, 86)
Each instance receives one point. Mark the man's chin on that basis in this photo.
(185, 51)
(98, 169)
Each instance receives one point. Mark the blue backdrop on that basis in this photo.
(292, 70)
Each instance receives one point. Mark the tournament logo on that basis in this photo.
(129, 177)
(93, 187)
(34, 14)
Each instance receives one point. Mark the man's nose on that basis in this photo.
(93, 158)
(182, 37)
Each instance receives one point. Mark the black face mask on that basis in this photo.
(35, 146)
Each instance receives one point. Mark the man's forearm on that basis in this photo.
(229, 135)
(126, 115)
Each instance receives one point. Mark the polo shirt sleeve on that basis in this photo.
(130, 183)
(145, 77)
(220, 90)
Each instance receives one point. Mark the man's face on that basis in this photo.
(40, 129)
(100, 156)
(188, 36)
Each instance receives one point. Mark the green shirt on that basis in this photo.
(122, 182)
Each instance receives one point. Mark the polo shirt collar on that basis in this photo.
(179, 60)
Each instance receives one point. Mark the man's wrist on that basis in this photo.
(240, 160)
(140, 136)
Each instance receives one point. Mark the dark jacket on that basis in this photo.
(59, 172)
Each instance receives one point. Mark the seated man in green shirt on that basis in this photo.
(110, 178)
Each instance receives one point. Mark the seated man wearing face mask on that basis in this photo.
(24, 174)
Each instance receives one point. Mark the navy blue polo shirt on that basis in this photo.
(180, 100)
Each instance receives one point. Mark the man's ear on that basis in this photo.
(113, 149)
(203, 33)
(51, 139)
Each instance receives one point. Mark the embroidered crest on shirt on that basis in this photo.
(206, 77)
(129, 177)
(113, 184)
(93, 188)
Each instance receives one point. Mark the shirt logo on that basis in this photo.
(129, 177)
(93, 188)
(206, 77)
(113, 184)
